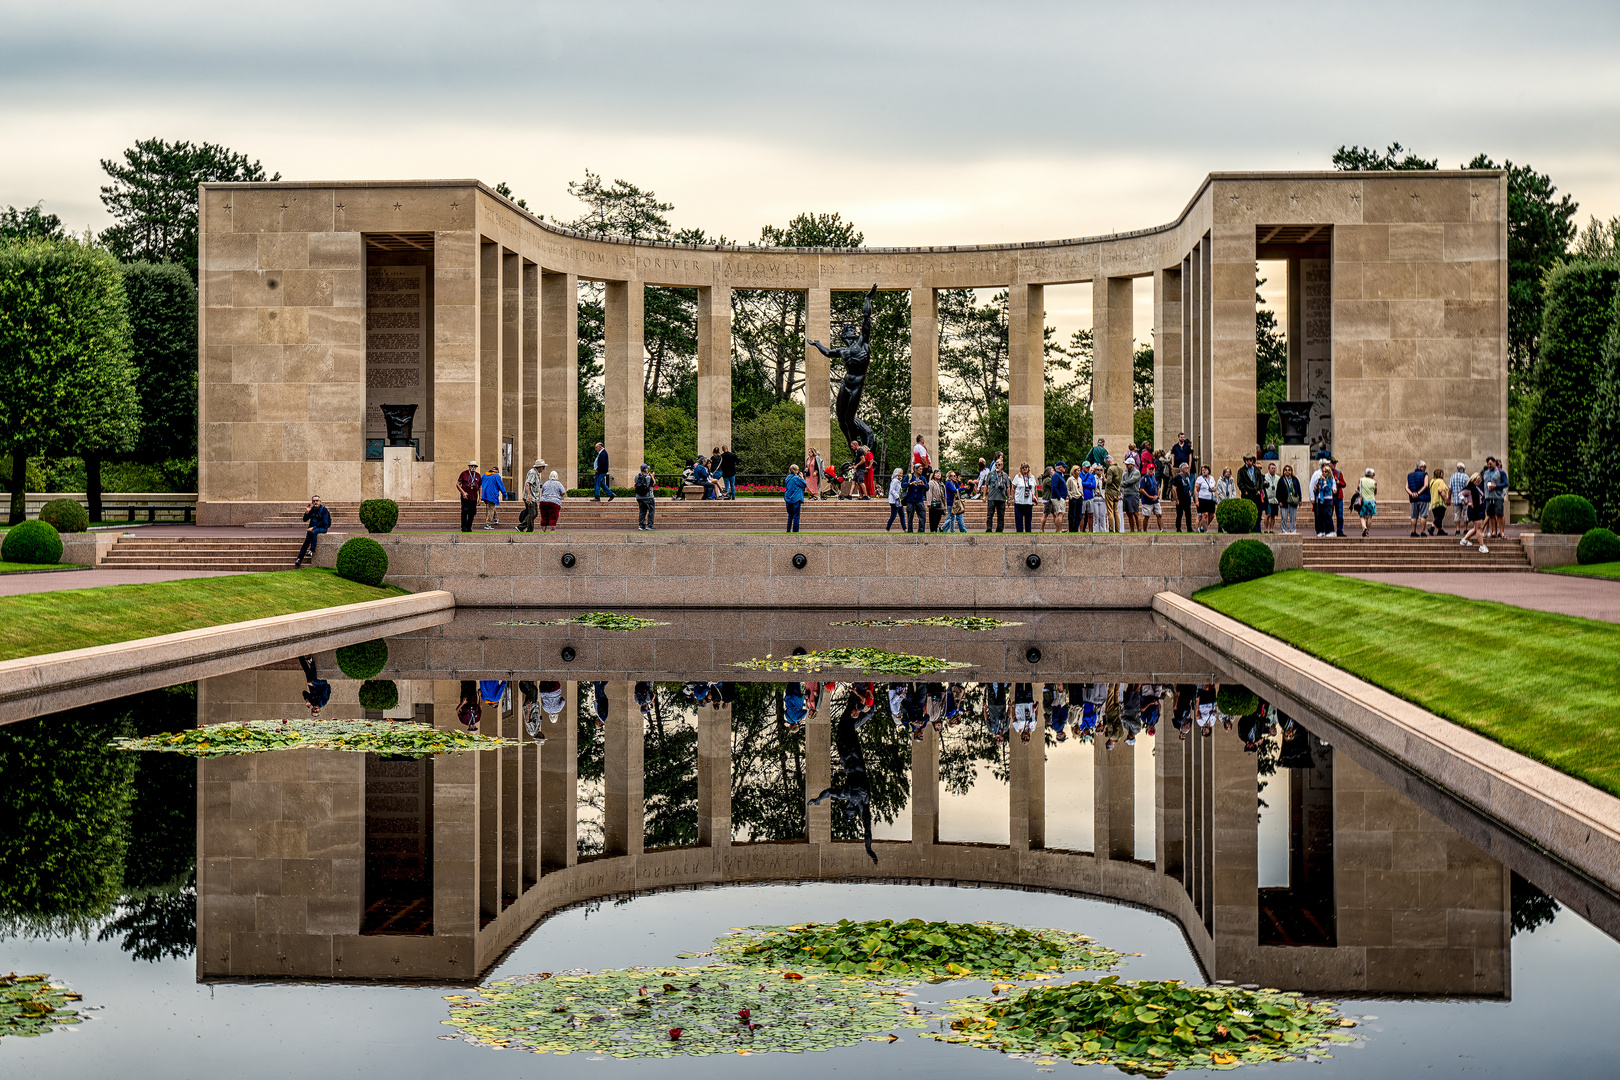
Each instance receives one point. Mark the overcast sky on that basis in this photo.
(924, 123)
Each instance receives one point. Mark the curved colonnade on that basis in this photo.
(313, 313)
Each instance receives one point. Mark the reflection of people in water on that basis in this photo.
(469, 710)
(319, 691)
(531, 710)
(854, 792)
(644, 698)
(1024, 714)
(600, 689)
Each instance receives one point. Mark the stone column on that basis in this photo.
(559, 375)
(1234, 833)
(1186, 419)
(511, 396)
(925, 788)
(528, 447)
(1026, 389)
(1169, 794)
(1166, 356)
(817, 376)
(559, 786)
(1026, 826)
(1113, 416)
(511, 808)
(1232, 382)
(818, 772)
(489, 355)
(713, 367)
(1205, 370)
(1114, 796)
(925, 369)
(714, 777)
(455, 358)
(624, 741)
(623, 399)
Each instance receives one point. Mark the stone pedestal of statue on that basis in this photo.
(399, 473)
(1300, 458)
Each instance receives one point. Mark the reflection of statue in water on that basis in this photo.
(855, 791)
(856, 354)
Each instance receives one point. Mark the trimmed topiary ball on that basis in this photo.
(1237, 516)
(66, 515)
(362, 559)
(32, 542)
(1245, 560)
(379, 695)
(1598, 546)
(1568, 515)
(365, 660)
(379, 515)
(1237, 700)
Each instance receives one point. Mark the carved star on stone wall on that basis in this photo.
(398, 206)
(455, 206)
(339, 206)
(284, 206)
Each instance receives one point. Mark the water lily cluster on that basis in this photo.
(32, 1005)
(399, 739)
(602, 620)
(876, 661)
(974, 623)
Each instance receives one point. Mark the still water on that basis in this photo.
(305, 911)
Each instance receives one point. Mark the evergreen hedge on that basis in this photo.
(1237, 516)
(1575, 321)
(1598, 546)
(66, 514)
(1245, 560)
(365, 660)
(1600, 453)
(32, 542)
(1236, 700)
(1568, 515)
(362, 559)
(379, 515)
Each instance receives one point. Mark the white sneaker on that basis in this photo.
(1462, 543)
(1483, 550)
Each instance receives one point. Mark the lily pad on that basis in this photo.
(692, 1012)
(1147, 1027)
(885, 949)
(974, 623)
(358, 736)
(881, 661)
(602, 620)
(32, 1005)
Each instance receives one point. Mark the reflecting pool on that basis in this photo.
(309, 910)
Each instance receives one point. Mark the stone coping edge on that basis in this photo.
(1568, 819)
(29, 675)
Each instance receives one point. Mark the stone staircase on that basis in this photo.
(1423, 555)
(673, 515)
(245, 554)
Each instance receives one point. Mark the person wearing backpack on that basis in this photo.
(793, 497)
(646, 503)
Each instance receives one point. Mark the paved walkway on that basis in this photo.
(1590, 598)
(17, 584)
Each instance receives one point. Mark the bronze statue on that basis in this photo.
(854, 793)
(856, 353)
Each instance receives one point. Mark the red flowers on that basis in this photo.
(675, 1033)
(743, 1014)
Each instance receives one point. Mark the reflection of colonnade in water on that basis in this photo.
(332, 865)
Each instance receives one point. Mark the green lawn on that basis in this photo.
(14, 567)
(1545, 685)
(37, 623)
(1597, 570)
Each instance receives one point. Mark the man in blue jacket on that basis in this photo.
(602, 475)
(320, 519)
(793, 496)
(493, 492)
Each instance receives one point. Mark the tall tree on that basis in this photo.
(153, 197)
(1270, 362)
(64, 357)
(1365, 159)
(163, 336)
(1579, 314)
(30, 223)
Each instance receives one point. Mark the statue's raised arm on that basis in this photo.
(866, 318)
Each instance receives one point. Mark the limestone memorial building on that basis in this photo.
(320, 302)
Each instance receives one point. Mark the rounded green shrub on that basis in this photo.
(379, 694)
(1235, 700)
(364, 661)
(379, 515)
(1237, 516)
(1245, 560)
(1568, 515)
(1598, 546)
(66, 515)
(32, 542)
(362, 559)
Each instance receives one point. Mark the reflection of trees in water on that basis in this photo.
(963, 747)
(767, 766)
(158, 924)
(1532, 908)
(669, 768)
(590, 760)
(92, 831)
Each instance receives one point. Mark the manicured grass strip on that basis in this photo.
(47, 622)
(19, 567)
(1610, 570)
(1545, 685)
